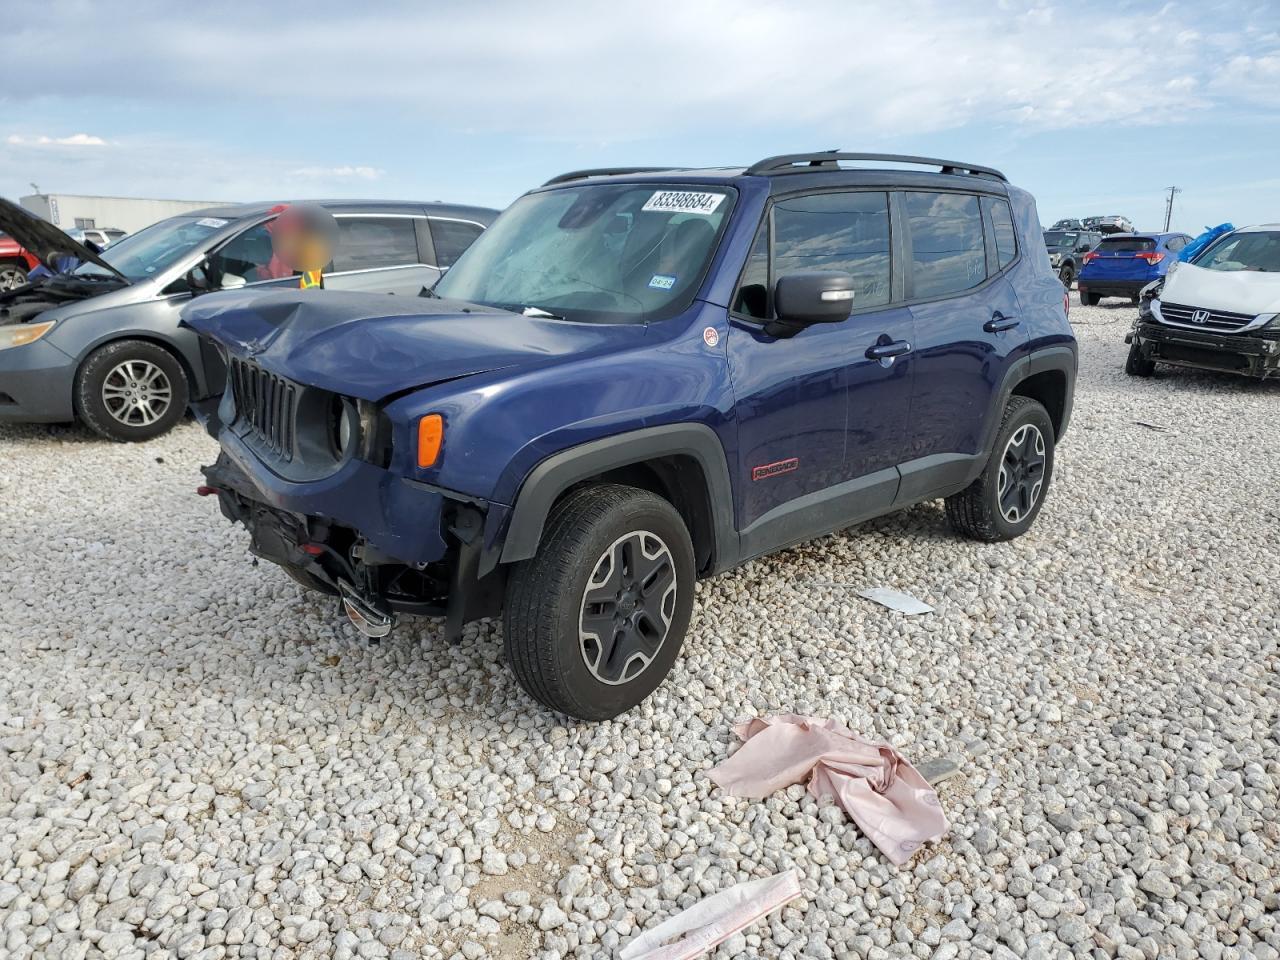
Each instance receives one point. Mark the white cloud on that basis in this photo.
(75, 140)
(338, 173)
(657, 68)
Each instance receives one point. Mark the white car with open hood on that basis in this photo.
(1219, 312)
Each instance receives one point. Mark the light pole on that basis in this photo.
(1168, 207)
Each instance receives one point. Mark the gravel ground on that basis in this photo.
(198, 760)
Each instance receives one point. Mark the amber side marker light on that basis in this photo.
(430, 436)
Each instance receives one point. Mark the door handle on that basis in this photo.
(1000, 322)
(884, 351)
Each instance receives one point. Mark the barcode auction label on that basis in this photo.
(683, 201)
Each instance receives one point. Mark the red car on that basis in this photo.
(15, 263)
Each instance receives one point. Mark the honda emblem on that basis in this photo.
(1200, 316)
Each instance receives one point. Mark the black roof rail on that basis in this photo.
(827, 160)
(603, 172)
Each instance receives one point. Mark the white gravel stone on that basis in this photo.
(197, 758)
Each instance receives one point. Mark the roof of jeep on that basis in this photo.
(238, 211)
(790, 171)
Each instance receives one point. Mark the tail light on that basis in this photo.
(1091, 256)
(1149, 256)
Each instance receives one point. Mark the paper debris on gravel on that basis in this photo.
(896, 600)
(708, 923)
(874, 784)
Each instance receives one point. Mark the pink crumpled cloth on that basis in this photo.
(883, 794)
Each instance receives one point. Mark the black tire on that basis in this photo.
(136, 411)
(1137, 365)
(1067, 274)
(1090, 299)
(12, 275)
(547, 602)
(1134, 301)
(977, 510)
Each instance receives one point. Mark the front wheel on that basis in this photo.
(1138, 365)
(1067, 275)
(131, 390)
(1007, 496)
(594, 622)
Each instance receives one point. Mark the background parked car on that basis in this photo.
(103, 237)
(15, 263)
(1219, 312)
(1112, 224)
(1067, 225)
(1067, 249)
(102, 344)
(1121, 266)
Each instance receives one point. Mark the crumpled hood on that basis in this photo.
(1236, 291)
(42, 239)
(371, 346)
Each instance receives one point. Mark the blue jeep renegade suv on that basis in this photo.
(640, 377)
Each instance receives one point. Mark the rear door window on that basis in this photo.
(451, 238)
(369, 242)
(948, 253)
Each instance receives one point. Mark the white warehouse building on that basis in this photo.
(130, 214)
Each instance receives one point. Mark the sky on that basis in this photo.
(1095, 107)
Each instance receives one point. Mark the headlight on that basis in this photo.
(18, 334)
(344, 426)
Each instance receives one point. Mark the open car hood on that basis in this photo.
(372, 346)
(43, 240)
(1237, 291)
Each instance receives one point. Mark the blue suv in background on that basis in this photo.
(636, 378)
(1120, 266)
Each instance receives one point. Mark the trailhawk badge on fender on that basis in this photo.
(710, 336)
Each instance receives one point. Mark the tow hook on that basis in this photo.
(365, 614)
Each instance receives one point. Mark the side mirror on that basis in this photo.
(207, 276)
(803, 299)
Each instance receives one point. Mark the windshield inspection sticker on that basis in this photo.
(682, 201)
(662, 281)
(211, 222)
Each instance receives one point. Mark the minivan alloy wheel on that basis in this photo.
(137, 393)
(627, 607)
(11, 277)
(1022, 471)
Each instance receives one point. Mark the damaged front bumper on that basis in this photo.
(1250, 356)
(383, 543)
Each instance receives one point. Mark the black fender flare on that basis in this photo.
(1061, 358)
(550, 478)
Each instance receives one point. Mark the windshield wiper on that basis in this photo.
(540, 314)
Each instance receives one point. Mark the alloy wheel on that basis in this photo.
(11, 278)
(137, 393)
(1021, 473)
(627, 607)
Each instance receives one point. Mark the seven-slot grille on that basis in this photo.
(266, 403)
(1216, 320)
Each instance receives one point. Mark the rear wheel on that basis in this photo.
(1006, 498)
(1136, 364)
(1090, 299)
(12, 276)
(594, 622)
(131, 390)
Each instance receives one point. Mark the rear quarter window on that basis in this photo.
(451, 238)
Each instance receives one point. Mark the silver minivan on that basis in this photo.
(102, 343)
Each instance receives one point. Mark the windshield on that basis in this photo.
(1060, 238)
(599, 253)
(155, 248)
(1258, 251)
